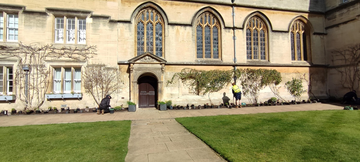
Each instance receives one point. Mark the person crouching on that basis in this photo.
(104, 104)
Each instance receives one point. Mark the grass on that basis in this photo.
(289, 136)
(99, 141)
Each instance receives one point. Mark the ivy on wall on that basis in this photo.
(254, 80)
(204, 81)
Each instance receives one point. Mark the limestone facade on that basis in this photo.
(113, 27)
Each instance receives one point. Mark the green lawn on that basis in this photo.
(290, 136)
(98, 141)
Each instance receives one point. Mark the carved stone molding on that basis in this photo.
(147, 59)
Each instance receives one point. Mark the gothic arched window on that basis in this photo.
(149, 32)
(256, 39)
(298, 36)
(208, 36)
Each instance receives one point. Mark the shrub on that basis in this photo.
(161, 102)
(295, 87)
(168, 103)
(130, 103)
(118, 107)
(272, 99)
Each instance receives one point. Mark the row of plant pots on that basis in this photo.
(163, 107)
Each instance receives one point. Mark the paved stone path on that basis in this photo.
(155, 136)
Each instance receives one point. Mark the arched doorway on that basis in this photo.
(148, 94)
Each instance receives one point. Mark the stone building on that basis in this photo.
(149, 41)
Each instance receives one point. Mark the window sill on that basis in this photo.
(8, 98)
(62, 96)
(60, 45)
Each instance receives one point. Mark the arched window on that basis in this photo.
(298, 41)
(149, 32)
(256, 39)
(207, 36)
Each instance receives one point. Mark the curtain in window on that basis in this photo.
(1, 26)
(70, 31)
(1, 80)
(67, 80)
(59, 30)
(77, 80)
(81, 31)
(12, 27)
(57, 80)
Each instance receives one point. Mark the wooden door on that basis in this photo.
(147, 95)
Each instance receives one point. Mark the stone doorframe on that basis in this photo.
(148, 64)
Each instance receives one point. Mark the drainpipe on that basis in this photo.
(234, 37)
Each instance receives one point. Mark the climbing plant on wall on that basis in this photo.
(295, 88)
(204, 81)
(254, 80)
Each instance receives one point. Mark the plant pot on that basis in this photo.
(111, 111)
(132, 108)
(162, 107)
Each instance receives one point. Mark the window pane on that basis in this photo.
(1, 28)
(12, 27)
(1, 80)
(57, 80)
(262, 45)
(77, 80)
(304, 47)
(140, 38)
(158, 39)
(207, 42)
(199, 41)
(70, 31)
(59, 30)
(149, 37)
(82, 31)
(256, 44)
(248, 44)
(292, 46)
(215, 43)
(9, 80)
(298, 47)
(67, 80)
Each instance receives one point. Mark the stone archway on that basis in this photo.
(148, 91)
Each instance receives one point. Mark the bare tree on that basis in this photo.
(347, 63)
(35, 57)
(100, 80)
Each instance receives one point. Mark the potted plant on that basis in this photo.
(162, 105)
(37, 111)
(111, 110)
(55, 110)
(118, 108)
(13, 111)
(132, 106)
(168, 104)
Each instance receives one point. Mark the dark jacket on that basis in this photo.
(105, 102)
